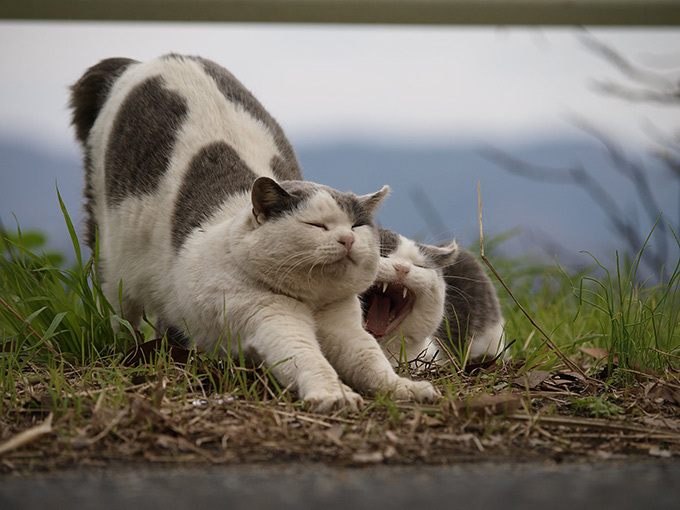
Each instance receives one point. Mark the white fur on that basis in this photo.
(428, 309)
(285, 290)
(488, 343)
(414, 339)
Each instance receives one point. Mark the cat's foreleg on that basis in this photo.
(282, 334)
(358, 358)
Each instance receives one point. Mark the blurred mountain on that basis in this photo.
(29, 177)
(434, 192)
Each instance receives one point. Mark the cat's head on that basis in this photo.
(409, 292)
(309, 241)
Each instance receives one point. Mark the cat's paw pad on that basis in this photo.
(325, 402)
(421, 391)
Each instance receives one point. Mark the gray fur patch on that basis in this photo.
(287, 167)
(348, 202)
(357, 212)
(435, 256)
(176, 336)
(214, 174)
(90, 92)
(88, 95)
(389, 242)
(142, 140)
(471, 302)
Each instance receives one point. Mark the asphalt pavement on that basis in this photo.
(617, 485)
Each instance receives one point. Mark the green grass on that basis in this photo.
(611, 308)
(597, 407)
(59, 352)
(47, 308)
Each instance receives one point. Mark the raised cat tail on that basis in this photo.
(88, 96)
(89, 93)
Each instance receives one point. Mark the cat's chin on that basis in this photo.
(344, 263)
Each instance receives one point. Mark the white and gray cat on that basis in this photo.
(418, 289)
(197, 202)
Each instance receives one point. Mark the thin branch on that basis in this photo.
(636, 174)
(593, 423)
(652, 87)
(427, 211)
(623, 65)
(577, 176)
(546, 338)
(638, 95)
(27, 436)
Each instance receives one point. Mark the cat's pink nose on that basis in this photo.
(402, 269)
(347, 240)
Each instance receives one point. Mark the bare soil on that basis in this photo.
(489, 414)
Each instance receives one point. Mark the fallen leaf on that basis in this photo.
(391, 436)
(658, 389)
(662, 423)
(335, 433)
(490, 404)
(531, 379)
(570, 376)
(390, 451)
(567, 380)
(430, 421)
(595, 352)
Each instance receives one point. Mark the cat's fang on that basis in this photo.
(384, 287)
(404, 293)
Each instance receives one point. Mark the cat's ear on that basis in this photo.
(440, 256)
(268, 199)
(373, 202)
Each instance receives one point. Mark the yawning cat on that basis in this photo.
(195, 197)
(418, 288)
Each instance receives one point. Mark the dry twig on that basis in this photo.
(27, 436)
(545, 338)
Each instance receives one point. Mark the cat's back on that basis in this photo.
(472, 308)
(180, 128)
(179, 104)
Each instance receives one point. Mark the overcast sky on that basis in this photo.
(323, 82)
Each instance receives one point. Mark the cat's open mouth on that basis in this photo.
(386, 305)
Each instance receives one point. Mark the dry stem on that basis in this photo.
(546, 339)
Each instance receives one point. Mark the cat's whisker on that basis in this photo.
(463, 278)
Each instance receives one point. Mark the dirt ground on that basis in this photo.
(493, 416)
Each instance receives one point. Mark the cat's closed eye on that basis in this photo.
(317, 225)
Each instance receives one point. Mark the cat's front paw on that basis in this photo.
(325, 401)
(421, 391)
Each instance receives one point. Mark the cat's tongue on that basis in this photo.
(378, 316)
